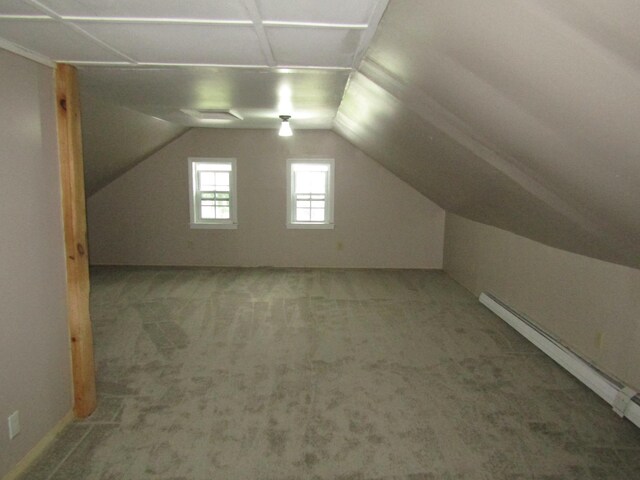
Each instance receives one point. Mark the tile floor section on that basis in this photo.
(325, 374)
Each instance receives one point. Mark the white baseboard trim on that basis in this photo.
(624, 400)
(40, 447)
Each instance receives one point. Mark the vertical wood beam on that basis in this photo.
(75, 237)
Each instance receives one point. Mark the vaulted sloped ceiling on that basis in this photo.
(116, 138)
(523, 114)
(516, 113)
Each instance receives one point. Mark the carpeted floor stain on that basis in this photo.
(272, 374)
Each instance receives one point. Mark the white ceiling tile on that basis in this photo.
(314, 11)
(152, 43)
(193, 9)
(54, 40)
(321, 47)
(17, 7)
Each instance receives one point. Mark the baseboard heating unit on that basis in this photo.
(624, 400)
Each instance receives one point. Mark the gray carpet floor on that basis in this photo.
(325, 374)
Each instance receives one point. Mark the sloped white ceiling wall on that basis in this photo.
(116, 138)
(520, 114)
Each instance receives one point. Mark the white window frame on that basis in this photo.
(329, 195)
(197, 222)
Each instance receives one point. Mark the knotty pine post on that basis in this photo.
(75, 236)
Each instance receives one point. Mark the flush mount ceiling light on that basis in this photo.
(285, 128)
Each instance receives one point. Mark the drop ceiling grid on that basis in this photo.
(153, 43)
(50, 38)
(197, 9)
(326, 34)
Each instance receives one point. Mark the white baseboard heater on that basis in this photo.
(624, 400)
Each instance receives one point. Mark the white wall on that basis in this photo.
(35, 375)
(591, 305)
(142, 218)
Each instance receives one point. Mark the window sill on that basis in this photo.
(312, 226)
(223, 226)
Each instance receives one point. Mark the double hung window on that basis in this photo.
(310, 193)
(213, 192)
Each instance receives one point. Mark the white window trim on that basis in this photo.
(232, 223)
(328, 223)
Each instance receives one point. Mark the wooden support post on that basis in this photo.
(75, 236)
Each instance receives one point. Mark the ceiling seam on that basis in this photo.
(89, 63)
(26, 53)
(80, 30)
(24, 17)
(372, 25)
(159, 21)
(339, 26)
(258, 27)
(187, 21)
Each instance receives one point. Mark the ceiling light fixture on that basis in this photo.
(285, 128)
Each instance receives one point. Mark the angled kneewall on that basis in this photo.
(590, 305)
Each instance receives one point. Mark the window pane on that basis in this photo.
(303, 214)
(207, 181)
(303, 204)
(310, 182)
(318, 182)
(222, 178)
(222, 213)
(317, 215)
(215, 210)
(302, 182)
(317, 205)
(211, 181)
(208, 213)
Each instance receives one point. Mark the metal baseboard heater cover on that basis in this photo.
(624, 400)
